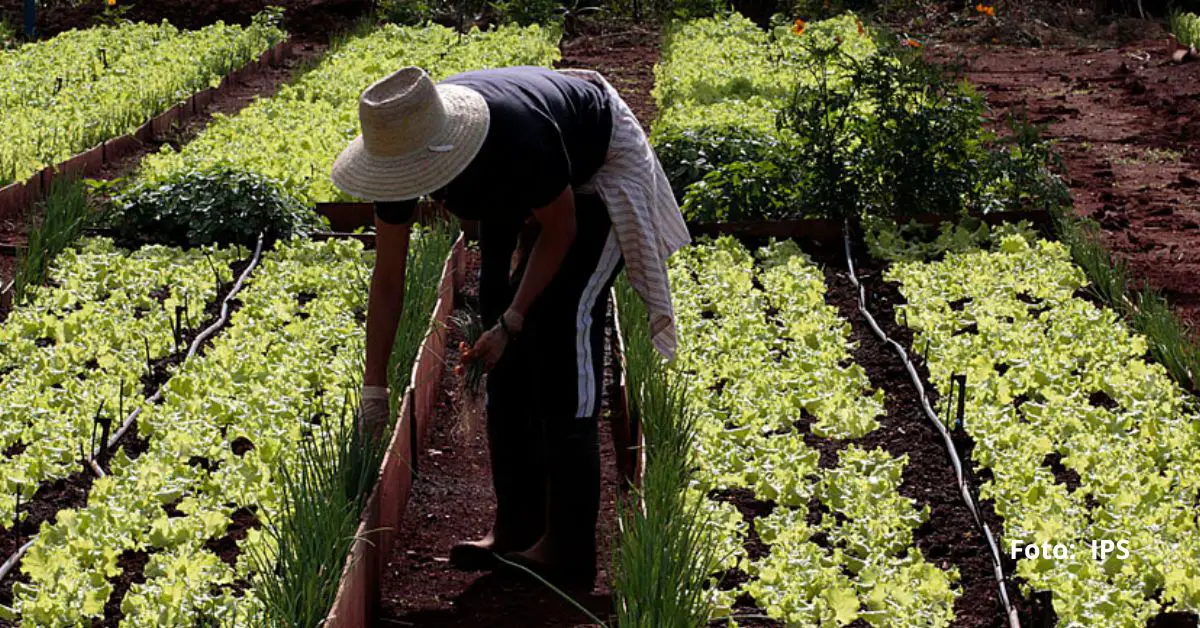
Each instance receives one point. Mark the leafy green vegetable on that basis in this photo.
(294, 136)
(68, 94)
(81, 346)
(1052, 375)
(763, 365)
(218, 206)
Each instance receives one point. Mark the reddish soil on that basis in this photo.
(1127, 122)
(626, 58)
(452, 501)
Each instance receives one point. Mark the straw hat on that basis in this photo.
(416, 137)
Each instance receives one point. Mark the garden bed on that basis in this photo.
(16, 197)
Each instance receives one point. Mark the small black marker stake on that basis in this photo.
(962, 399)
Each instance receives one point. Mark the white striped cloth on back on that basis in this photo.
(643, 210)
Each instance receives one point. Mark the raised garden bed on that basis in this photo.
(15, 197)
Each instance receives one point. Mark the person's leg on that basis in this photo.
(566, 327)
(514, 439)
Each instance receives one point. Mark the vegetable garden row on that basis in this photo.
(235, 497)
(1076, 442)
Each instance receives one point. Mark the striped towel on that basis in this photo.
(644, 214)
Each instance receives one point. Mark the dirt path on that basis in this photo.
(626, 59)
(453, 501)
(1127, 122)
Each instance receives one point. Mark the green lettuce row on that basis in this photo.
(727, 72)
(33, 73)
(150, 68)
(758, 361)
(81, 346)
(228, 420)
(294, 136)
(1054, 380)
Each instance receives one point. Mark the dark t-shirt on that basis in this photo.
(547, 131)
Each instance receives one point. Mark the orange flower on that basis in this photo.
(799, 27)
(861, 30)
(910, 42)
(987, 10)
(111, 3)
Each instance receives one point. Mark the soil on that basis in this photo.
(950, 537)
(160, 369)
(1126, 120)
(626, 58)
(452, 501)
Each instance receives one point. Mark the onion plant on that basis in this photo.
(327, 484)
(63, 217)
(665, 554)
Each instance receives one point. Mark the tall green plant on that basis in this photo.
(665, 554)
(63, 216)
(326, 486)
(426, 258)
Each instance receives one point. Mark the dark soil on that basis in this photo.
(452, 501)
(626, 58)
(1127, 122)
(226, 547)
(950, 537)
(133, 571)
(160, 370)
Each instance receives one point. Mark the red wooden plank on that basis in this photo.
(120, 147)
(13, 200)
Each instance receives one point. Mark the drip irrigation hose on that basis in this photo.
(997, 566)
(198, 341)
(16, 556)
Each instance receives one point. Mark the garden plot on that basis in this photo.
(68, 94)
(88, 347)
(1082, 443)
(815, 532)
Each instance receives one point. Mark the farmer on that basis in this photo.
(567, 190)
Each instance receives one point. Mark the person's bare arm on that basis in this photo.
(386, 302)
(557, 234)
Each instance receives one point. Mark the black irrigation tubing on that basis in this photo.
(997, 566)
(208, 332)
(199, 340)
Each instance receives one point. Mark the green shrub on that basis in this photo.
(688, 155)
(216, 205)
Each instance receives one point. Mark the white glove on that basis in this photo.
(373, 410)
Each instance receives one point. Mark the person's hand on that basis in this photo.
(488, 348)
(373, 411)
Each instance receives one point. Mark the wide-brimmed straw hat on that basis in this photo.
(416, 137)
